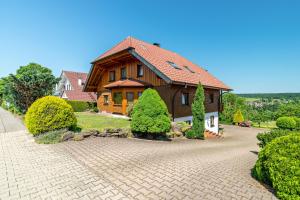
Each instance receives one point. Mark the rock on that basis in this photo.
(175, 126)
(78, 137)
(86, 134)
(67, 136)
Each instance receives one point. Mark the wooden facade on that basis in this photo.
(170, 93)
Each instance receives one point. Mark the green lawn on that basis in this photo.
(270, 124)
(88, 121)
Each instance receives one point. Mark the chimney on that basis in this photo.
(156, 44)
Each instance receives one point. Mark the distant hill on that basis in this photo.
(271, 95)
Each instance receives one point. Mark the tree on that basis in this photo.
(238, 117)
(232, 103)
(198, 111)
(150, 115)
(30, 83)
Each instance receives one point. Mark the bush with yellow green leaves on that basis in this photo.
(49, 113)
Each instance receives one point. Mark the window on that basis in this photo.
(212, 121)
(112, 76)
(129, 97)
(105, 99)
(211, 98)
(123, 73)
(140, 94)
(173, 65)
(117, 97)
(185, 99)
(188, 122)
(68, 87)
(140, 71)
(189, 69)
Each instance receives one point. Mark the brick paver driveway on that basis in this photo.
(112, 168)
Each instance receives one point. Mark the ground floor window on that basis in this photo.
(185, 99)
(140, 94)
(117, 98)
(212, 121)
(130, 97)
(105, 99)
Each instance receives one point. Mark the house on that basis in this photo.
(70, 87)
(121, 74)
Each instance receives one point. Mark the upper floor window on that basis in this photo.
(211, 98)
(123, 73)
(79, 81)
(112, 76)
(68, 87)
(173, 65)
(185, 98)
(140, 71)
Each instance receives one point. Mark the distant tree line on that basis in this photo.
(260, 111)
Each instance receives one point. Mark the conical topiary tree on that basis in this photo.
(238, 117)
(150, 114)
(198, 111)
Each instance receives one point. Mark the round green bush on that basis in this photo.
(279, 166)
(150, 114)
(286, 123)
(297, 120)
(49, 113)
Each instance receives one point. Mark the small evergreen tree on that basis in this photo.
(150, 114)
(198, 111)
(238, 117)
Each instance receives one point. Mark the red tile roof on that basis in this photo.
(77, 91)
(125, 83)
(159, 57)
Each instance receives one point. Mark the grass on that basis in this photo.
(270, 124)
(87, 121)
(52, 137)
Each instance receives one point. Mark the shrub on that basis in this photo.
(190, 134)
(286, 123)
(266, 137)
(129, 109)
(198, 113)
(238, 117)
(279, 165)
(79, 106)
(297, 120)
(150, 114)
(51, 137)
(49, 113)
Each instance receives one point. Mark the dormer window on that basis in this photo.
(189, 69)
(173, 65)
(79, 81)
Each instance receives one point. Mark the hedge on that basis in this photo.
(286, 123)
(81, 106)
(48, 114)
(267, 137)
(279, 166)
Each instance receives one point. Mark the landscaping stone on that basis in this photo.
(78, 137)
(67, 136)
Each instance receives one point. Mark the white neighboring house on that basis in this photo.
(70, 87)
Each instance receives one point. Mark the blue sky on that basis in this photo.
(253, 46)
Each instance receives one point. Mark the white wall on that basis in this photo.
(214, 129)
